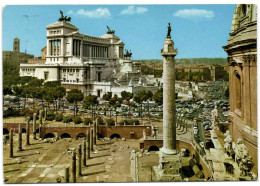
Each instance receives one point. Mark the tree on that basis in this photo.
(6, 90)
(115, 102)
(142, 97)
(59, 93)
(74, 96)
(25, 80)
(148, 96)
(90, 100)
(25, 93)
(158, 97)
(127, 96)
(47, 95)
(35, 82)
(137, 99)
(107, 96)
(227, 92)
(17, 90)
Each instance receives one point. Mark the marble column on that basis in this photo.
(88, 144)
(28, 132)
(169, 158)
(34, 126)
(169, 119)
(94, 133)
(73, 168)
(67, 175)
(79, 160)
(84, 153)
(40, 122)
(20, 140)
(11, 147)
(91, 139)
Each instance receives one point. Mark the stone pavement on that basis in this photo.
(44, 162)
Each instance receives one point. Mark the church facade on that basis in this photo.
(242, 61)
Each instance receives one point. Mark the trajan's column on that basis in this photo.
(169, 158)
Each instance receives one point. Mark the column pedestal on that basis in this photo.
(169, 166)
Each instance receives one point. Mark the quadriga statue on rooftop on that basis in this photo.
(64, 18)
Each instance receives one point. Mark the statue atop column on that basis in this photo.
(64, 18)
(169, 31)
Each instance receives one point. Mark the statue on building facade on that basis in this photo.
(214, 115)
(228, 144)
(246, 166)
(169, 31)
(109, 31)
(240, 150)
(64, 18)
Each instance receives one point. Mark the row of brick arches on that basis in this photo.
(80, 135)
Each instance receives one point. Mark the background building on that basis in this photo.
(242, 61)
(16, 57)
(94, 65)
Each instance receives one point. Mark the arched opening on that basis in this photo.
(229, 168)
(100, 135)
(65, 135)
(23, 130)
(185, 152)
(5, 131)
(81, 136)
(115, 136)
(153, 148)
(37, 130)
(49, 135)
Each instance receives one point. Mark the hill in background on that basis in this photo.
(189, 61)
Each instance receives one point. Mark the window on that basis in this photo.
(99, 76)
(238, 90)
(46, 75)
(244, 10)
(98, 93)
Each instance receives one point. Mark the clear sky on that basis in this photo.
(197, 30)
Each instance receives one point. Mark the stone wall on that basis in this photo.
(128, 132)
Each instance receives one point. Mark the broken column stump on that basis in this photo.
(84, 153)
(20, 138)
(28, 132)
(79, 160)
(91, 140)
(73, 168)
(67, 175)
(88, 144)
(11, 152)
(34, 126)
